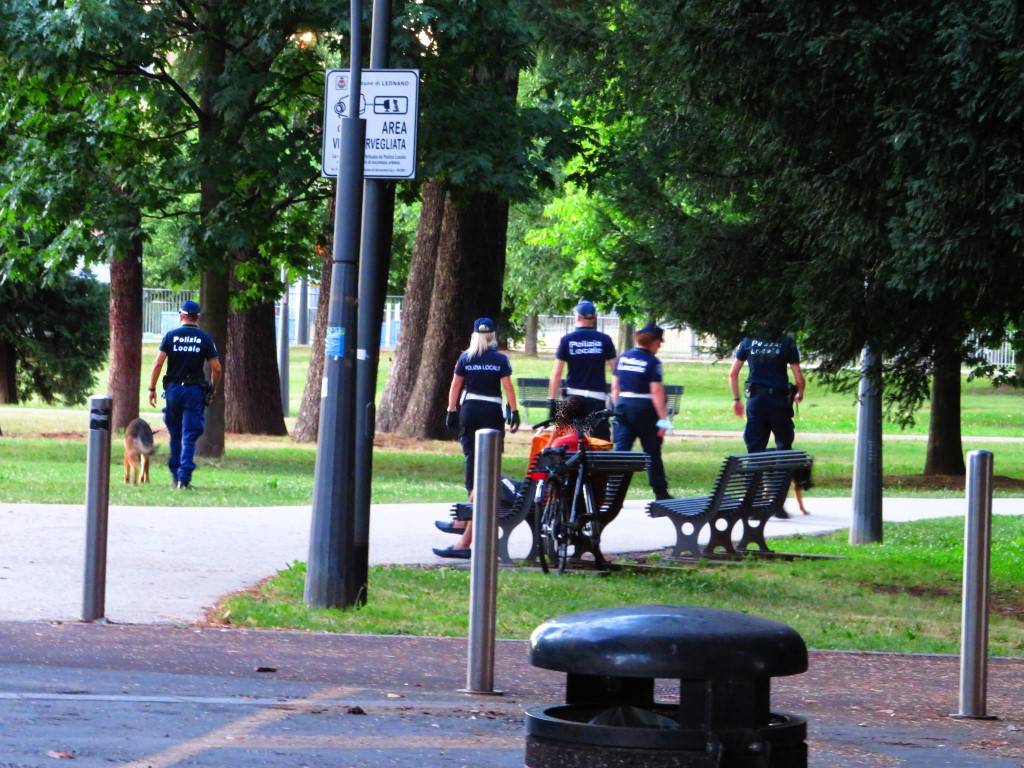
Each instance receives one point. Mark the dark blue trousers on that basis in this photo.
(185, 417)
(474, 415)
(638, 419)
(768, 415)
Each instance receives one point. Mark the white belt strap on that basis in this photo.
(636, 395)
(486, 398)
(592, 394)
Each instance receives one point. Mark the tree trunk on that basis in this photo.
(945, 450)
(8, 373)
(252, 385)
(126, 333)
(467, 283)
(307, 424)
(531, 334)
(416, 309)
(213, 290)
(625, 336)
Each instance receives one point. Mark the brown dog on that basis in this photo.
(138, 445)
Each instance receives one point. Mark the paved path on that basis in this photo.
(168, 564)
(164, 696)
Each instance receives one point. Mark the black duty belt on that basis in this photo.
(759, 389)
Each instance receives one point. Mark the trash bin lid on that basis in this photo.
(668, 641)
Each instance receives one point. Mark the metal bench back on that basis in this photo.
(756, 480)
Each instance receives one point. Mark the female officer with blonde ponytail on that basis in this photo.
(481, 373)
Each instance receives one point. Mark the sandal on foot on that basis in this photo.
(461, 554)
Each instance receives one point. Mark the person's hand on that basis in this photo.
(798, 397)
(451, 421)
(664, 424)
(152, 397)
(512, 419)
(737, 408)
(552, 408)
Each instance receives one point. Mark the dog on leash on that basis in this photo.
(138, 446)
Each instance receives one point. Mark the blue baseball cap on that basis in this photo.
(654, 329)
(483, 325)
(585, 309)
(190, 308)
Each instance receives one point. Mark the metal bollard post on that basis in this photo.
(484, 573)
(974, 621)
(97, 502)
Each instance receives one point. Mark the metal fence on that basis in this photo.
(160, 314)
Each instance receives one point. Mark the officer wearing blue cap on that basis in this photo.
(186, 390)
(587, 351)
(770, 396)
(640, 410)
(481, 373)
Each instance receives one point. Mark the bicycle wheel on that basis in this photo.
(552, 528)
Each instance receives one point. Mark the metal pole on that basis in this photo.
(374, 263)
(97, 505)
(974, 619)
(484, 578)
(302, 321)
(330, 575)
(282, 344)
(866, 526)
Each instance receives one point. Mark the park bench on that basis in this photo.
(749, 490)
(515, 505)
(533, 393)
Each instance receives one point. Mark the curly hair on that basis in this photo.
(570, 410)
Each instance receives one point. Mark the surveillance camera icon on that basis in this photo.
(341, 108)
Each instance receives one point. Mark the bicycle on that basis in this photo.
(568, 512)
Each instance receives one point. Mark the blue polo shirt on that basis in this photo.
(187, 348)
(768, 360)
(482, 374)
(586, 350)
(636, 370)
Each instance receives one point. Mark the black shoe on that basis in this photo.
(782, 514)
(461, 554)
(662, 496)
(446, 527)
(183, 486)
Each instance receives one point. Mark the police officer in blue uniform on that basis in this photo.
(587, 351)
(640, 410)
(481, 373)
(769, 395)
(186, 390)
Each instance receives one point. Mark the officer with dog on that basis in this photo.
(770, 396)
(186, 390)
(640, 408)
(587, 351)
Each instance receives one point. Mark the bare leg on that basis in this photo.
(466, 538)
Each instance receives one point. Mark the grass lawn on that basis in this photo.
(275, 471)
(42, 453)
(901, 596)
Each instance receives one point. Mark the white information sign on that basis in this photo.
(389, 102)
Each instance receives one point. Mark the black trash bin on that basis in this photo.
(723, 662)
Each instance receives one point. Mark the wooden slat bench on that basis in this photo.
(749, 490)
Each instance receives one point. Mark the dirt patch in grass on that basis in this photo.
(63, 435)
(1007, 603)
(946, 482)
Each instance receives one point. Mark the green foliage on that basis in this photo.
(59, 336)
(853, 173)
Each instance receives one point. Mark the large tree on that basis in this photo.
(483, 148)
(236, 94)
(853, 173)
